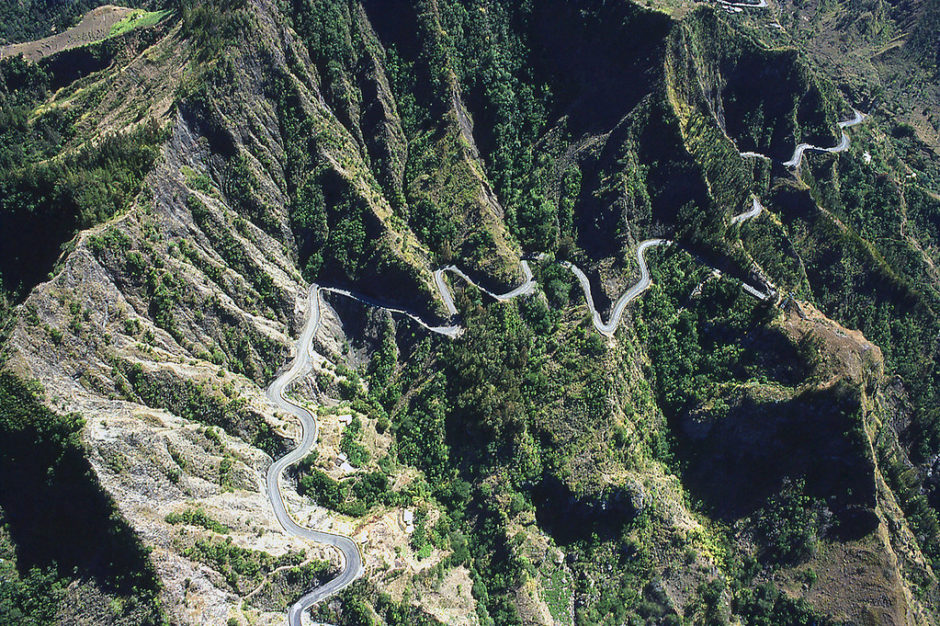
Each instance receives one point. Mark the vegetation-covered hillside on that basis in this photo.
(756, 443)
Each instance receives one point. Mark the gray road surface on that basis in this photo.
(842, 146)
(352, 559)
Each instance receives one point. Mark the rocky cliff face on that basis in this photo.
(718, 459)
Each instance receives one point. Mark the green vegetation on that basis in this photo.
(788, 524)
(243, 349)
(212, 24)
(283, 587)
(713, 444)
(478, 419)
(766, 606)
(878, 274)
(199, 402)
(199, 181)
(923, 41)
(494, 386)
(864, 271)
(383, 386)
(198, 517)
(357, 454)
(66, 195)
(690, 354)
(554, 585)
(235, 254)
(137, 19)
(360, 599)
(352, 496)
(239, 566)
(918, 509)
(31, 599)
(498, 85)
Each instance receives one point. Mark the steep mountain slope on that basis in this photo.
(170, 192)
(33, 19)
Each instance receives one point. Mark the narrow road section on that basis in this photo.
(842, 146)
(756, 209)
(528, 286)
(450, 330)
(610, 327)
(761, 4)
(352, 559)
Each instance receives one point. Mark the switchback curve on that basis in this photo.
(842, 146)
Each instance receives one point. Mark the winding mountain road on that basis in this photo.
(450, 331)
(352, 559)
(761, 4)
(528, 286)
(842, 146)
(610, 327)
(756, 209)
(300, 366)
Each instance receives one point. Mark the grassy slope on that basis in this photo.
(138, 19)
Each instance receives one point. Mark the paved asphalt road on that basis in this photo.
(639, 287)
(528, 286)
(842, 146)
(352, 559)
(756, 208)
